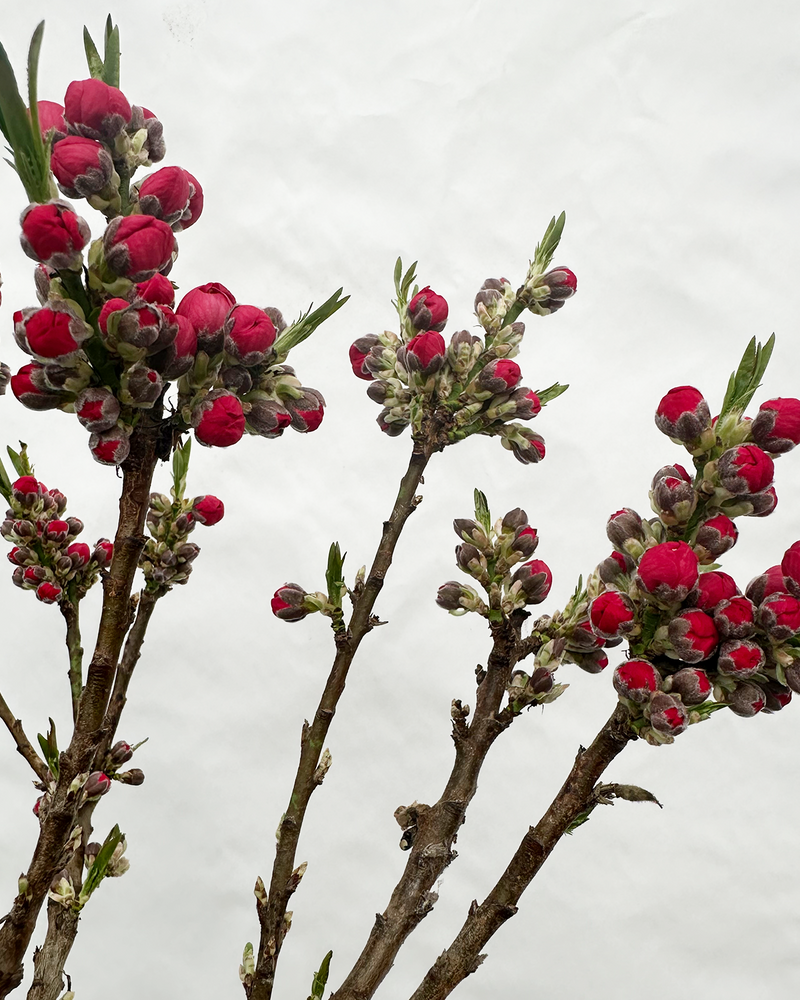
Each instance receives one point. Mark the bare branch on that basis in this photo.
(24, 745)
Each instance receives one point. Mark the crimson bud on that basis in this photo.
(30, 387)
(745, 469)
(683, 414)
(82, 167)
(712, 588)
(136, 246)
(636, 680)
(195, 207)
(612, 614)
(667, 572)
(790, 567)
(667, 714)
(97, 784)
(110, 447)
(779, 616)
(692, 684)
(535, 580)
(95, 109)
(54, 235)
(735, 618)
(207, 509)
(51, 120)
(207, 306)
(776, 428)
(714, 537)
(693, 636)
(747, 700)
(97, 409)
(165, 194)
(769, 582)
(500, 376)
(250, 335)
(423, 353)
(359, 352)
(427, 310)
(740, 658)
(307, 412)
(287, 603)
(219, 420)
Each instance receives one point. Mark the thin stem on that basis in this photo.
(71, 613)
(464, 955)
(438, 826)
(24, 745)
(283, 881)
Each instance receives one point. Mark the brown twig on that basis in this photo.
(24, 745)
(438, 826)
(575, 797)
(71, 613)
(78, 758)
(284, 880)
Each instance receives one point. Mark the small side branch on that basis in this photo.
(71, 615)
(24, 745)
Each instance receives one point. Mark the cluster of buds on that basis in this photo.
(696, 642)
(167, 557)
(106, 349)
(46, 557)
(470, 383)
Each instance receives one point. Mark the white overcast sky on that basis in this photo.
(331, 137)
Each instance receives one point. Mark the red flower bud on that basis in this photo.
(637, 680)
(95, 109)
(268, 418)
(207, 306)
(82, 167)
(712, 588)
(562, 284)
(97, 409)
(714, 537)
(740, 658)
(683, 414)
(208, 509)
(287, 603)
(157, 290)
(165, 194)
(747, 700)
(136, 246)
(423, 353)
(427, 310)
(103, 552)
(500, 376)
(525, 541)
(195, 207)
(48, 593)
(110, 447)
(27, 490)
(178, 358)
(51, 120)
(307, 412)
(30, 387)
(53, 332)
(97, 784)
(779, 616)
(528, 404)
(622, 525)
(769, 582)
(790, 568)
(219, 420)
(667, 714)
(530, 453)
(535, 580)
(745, 469)
(667, 572)
(80, 554)
(693, 636)
(55, 531)
(692, 684)
(777, 427)
(359, 352)
(674, 500)
(121, 753)
(250, 335)
(735, 618)
(54, 235)
(612, 614)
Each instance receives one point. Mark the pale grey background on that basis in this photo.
(329, 138)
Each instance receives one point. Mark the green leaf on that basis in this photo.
(552, 236)
(334, 575)
(482, 514)
(307, 323)
(552, 392)
(5, 483)
(180, 469)
(30, 159)
(321, 978)
(111, 55)
(92, 56)
(97, 871)
(33, 72)
(744, 382)
(50, 748)
(20, 460)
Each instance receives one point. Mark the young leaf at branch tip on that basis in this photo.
(482, 515)
(321, 978)
(20, 460)
(544, 251)
(99, 867)
(334, 576)
(402, 285)
(31, 154)
(180, 469)
(307, 323)
(552, 392)
(92, 56)
(744, 382)
(50, 748)
(111, 54)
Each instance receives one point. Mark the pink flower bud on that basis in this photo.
(500, 376)
(622, 525)
(777, 696)
(359, 352)
(157, 290)
(49, 593)
(208, 509)
(712, 588)
(535, 580)
(287, 603)
(667, 572)
(714, 537)
(195, 207)
(525, 541)
(178, 358)
(54, 235)
(667, 714)
(95, 109)
(762, 503)
(140, 386)
(777, 427)
(674, 500)
(165, 194)
(423, 353)
(30, 387)
(207, 306)
(562, 285)
(51, 120)
(79, 554)
(427, 310)
(637, 680)
(790, 568)
(692, 684)
(530, 453)
(612, 614)
(82, 167)
(593, 663)
(250, 336)
(97, 784)
(110, 447)
(683, 414)
(528, 404)
(779, 616)
(769, 582)
(747, 700)
(307, 412)
(27, 489)
(53, 332)
(97, 409)
(745, 469)
(740, 658)
(219, 420)
(120, 753)
(693, 636)
(268, 418)
(136, 246)
(55, 531)
(616, 565)
(103, 552)
(735, 618)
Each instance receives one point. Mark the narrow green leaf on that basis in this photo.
(482, 514)
(33, 72)
(408, 280)
(334, 574)
(552, 392)
(49, 747)
(111, 57)
(29, 156)
(97, 872)
(92, 56)
(307, 323)
(5, 483)
(321, 978)
(180, 469)
(20, 460)
(549, 242)
(745, 381)
(398, 274)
